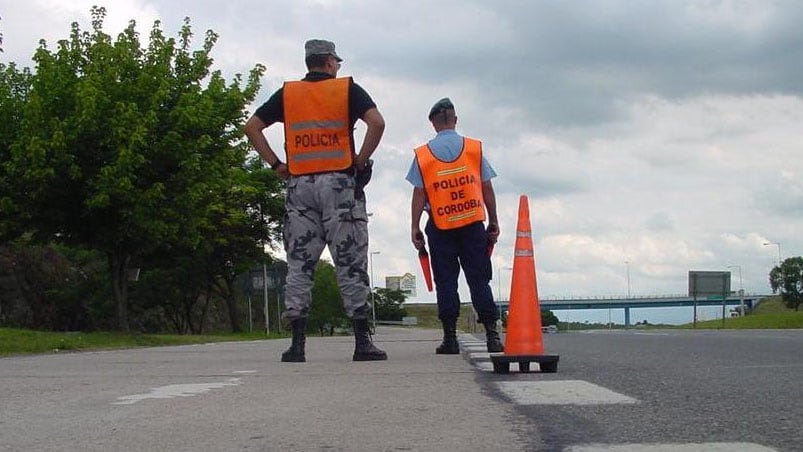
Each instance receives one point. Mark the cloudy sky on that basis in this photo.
(651, 137)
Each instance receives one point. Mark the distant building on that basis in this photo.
(405, 283)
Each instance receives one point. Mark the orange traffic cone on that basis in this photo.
(524, 340)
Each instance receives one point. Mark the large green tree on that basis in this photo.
(122, 147)
(787, 279)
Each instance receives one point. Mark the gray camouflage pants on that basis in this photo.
(322, 211)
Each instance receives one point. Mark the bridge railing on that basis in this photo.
(636, 297)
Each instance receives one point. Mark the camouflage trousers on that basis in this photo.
(322, 211)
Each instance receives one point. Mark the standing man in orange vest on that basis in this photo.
(452, 180)
(325, 178)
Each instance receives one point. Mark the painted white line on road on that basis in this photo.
(180, 390)
(484, 365)
(484, 355)
(566, 392)
(692, 447)
(473, 343)
(475, 348)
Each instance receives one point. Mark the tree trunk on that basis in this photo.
(226, 290)
(118, 267)
(205, 309)
(234, 312)
(234, 309)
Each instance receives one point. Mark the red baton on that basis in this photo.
(423, 258)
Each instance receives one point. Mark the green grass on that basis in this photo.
(16, 341)
(427, 315)
(771, 313)
(775, 320)
(771, 305)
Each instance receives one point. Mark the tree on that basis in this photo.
(327, 311)
(122, 147)
(787, 279)
(389, 304)
(243, 214)
(15, 88)
(548, 318)
(245, 218)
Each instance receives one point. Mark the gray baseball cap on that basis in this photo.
(321, 47)
(441, 105)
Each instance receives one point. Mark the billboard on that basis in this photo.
(709, 284)
(405, 283)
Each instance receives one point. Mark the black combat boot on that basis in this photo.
(295, 354)
(492, 338)
(449, 346)
(364, 349)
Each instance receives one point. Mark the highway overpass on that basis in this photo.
(628, 303)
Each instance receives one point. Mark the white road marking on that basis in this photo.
(692, 447)
(565, 392)
(484, 365)
(179, 390)
(475, 348)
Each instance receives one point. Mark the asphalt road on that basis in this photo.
(690, 387)
(702, 390)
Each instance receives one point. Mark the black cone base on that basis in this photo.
(547, 363)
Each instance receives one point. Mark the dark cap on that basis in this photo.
(441, 105)
(320, 47)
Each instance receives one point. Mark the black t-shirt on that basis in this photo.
(359, 102)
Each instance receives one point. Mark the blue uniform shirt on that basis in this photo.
(446, 146)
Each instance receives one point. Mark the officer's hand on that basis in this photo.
(282, 171)
(363, 174)
(493, 232)
(417, 238)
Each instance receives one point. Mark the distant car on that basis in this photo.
(549, 329)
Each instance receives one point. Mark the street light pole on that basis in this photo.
(627, 264)
(741, 290)
(778, 244)
(264, 276)
(265, 295)
(510, 269)
(498, 285)
(373, 303)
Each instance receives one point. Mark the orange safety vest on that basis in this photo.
(454, 189)
(316, 126)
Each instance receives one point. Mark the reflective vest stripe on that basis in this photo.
(317, 125)
(452, 171)
(317, 155)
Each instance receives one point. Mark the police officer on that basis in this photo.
(325, 204)
(452, 180)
